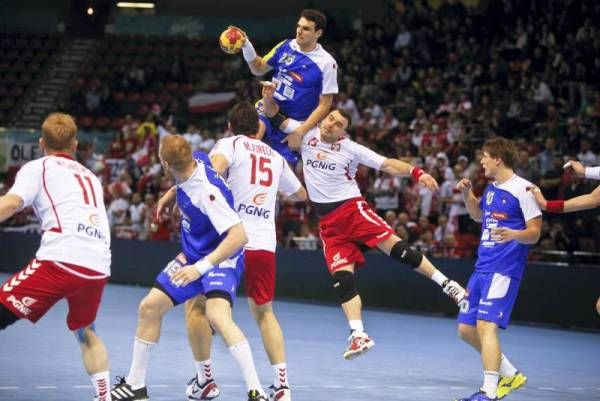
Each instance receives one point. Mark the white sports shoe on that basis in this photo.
(207, 391)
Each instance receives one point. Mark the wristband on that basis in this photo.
(248, 51)
(592, 172)
(416, 172)
(555, 206)
(203, 265)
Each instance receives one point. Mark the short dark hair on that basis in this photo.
(346, 115)
(502, 148)
(244, 119)
(315, 16)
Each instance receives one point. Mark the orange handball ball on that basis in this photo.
(231, 40)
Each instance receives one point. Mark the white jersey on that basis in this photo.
(256, 172)
(330, 168)
(69, 201)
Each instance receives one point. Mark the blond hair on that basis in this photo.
(59, 131)
(176, 151)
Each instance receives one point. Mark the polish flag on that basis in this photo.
(203, 102)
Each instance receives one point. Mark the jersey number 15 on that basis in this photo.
(263, 167)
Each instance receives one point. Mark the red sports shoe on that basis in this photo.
(360, 342)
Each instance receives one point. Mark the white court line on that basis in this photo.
(86, 386)
(427, 387)
(458, 387)
(294, 386)
(230, 385)
(576, 388)
(398, 387)
(159, 385)
(332, 387)
(546, 388)
(361, 387)
(16, 387)
(45, 387)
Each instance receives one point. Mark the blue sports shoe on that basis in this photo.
(478, 396)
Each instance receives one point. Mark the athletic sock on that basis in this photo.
(506, 368)
(356, 325)
(243, 356)
(141, 356)
(281, 379)
(204, 371)
(101, 385)
(490, 383)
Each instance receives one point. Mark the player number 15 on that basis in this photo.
(263, 167)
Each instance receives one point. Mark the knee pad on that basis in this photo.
(344, 285)
(6, 317)
(80, 333)
(405, 254)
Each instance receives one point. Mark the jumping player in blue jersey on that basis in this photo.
(305, 76)
(211, 263)
(510, 221)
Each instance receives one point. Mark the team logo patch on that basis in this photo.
(296, 76)
(500, 215)
(260, 198)
(322, 156)
(489, 197)
(94, 219)
(313, 142)
(336, 147)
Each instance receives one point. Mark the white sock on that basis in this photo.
(281, 379)
(506, 368)
(141, 356)
(356, 325)
(204, 371)
(101, 385)
(490, 383)
(439, 278)
(243, 356)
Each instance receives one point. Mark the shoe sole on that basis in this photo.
(354, 354)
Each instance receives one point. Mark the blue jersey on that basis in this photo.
(301, 77)
(206, 205)
(505, 205)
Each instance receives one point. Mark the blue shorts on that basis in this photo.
(222, 280)
(491, 298)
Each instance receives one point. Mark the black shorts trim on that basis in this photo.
(159, 286)
(219, 294)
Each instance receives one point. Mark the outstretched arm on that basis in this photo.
(582, 202)
(399, 168)
(258, 65)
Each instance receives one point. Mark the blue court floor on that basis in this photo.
(416, 358)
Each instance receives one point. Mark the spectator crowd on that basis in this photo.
(425, 85)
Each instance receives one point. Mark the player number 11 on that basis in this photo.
(86, 197)
(264, 168)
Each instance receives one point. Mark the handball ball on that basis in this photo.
(231, 40)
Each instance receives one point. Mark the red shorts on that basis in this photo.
(31, 292)
(343, 229)
(260, 275)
